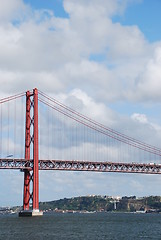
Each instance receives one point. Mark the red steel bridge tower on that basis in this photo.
(31, 177)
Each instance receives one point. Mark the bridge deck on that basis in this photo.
(74, 165)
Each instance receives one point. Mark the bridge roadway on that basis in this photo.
(75, 165)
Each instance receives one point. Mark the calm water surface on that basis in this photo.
(82, 226)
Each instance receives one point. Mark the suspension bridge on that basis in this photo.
(48, 135)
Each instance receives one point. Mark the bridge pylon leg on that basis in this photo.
(34, 175)
(36, 156)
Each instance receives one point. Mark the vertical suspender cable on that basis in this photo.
(61, 138)
(1, 144)
(48, 133)
(8, 133)
(15, 122)
(21, 130)
(52, 135)
(63, 142)
(39, 111)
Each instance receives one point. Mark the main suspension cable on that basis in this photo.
(112, 131)
(143, 147)
(10, 98)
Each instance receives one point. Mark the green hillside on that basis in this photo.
(104, 203)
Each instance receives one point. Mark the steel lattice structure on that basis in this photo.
(72, 165)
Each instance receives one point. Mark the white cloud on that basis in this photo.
(149, 84)
(103, 8)
(140, 118)
(82, 102)
(54, 54)
(10, 10)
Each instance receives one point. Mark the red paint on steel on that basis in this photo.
(26, 196)
(31, 121)
(36, 155)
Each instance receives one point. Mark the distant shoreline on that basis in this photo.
(96, 203)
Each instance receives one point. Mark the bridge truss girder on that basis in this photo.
(74, 165)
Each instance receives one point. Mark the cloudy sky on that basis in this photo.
(102, 55)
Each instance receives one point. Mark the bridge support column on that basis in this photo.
(31, 176)
(26, 195)
(36, 156)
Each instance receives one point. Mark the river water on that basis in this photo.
(96, 226)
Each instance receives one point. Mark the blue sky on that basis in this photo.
(146, 15)
(102, 56)
(56, 6)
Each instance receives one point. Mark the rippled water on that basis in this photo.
(82, 226)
